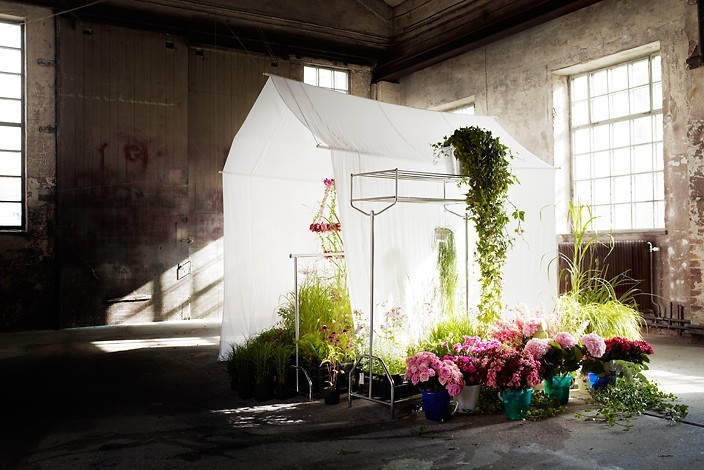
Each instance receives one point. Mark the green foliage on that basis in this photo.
(585, 274)
(450, 329)
(239, 363)
(543, 406)
(489, 401)
(484, 163)
(608, 319)
(281, 355)
(262, 360)
(447, 270)
(619, 403)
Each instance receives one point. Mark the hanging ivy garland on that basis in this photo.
(484, 163)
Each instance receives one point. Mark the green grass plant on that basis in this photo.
(607, 319)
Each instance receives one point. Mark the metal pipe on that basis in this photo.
(652, 286)
(371, 300)
(297, 326)
(466, 265)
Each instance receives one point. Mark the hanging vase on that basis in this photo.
(436, 405)
(558, 387)
(516, 403)
(467, 399)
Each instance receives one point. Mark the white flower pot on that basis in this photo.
(467, 399)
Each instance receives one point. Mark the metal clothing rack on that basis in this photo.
(297, 366)
(389, 200)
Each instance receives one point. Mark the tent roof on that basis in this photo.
(292, 118)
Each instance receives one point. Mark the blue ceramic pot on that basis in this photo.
(436, 405)
(517, 403)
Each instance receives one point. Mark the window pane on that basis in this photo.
(622, 216)
(602, 191)
(325, 78)
(341, 80)
(642, 130)
(659, 214)
(10, 111)
(583, 191)
(600, 137)
(622, 161)
(644, 215)
(622, 189)
(10, 138)
(643, 187)
(582, 167)
(600, 108)
(601, 164)
(10, 214)
(580, 113)
(642, 158)
(10, 189)
(656, 68)
(640, 100)
(659, 157)
(10, 35)
(579, 88)
(602, 216)
(10, 85)
(639, 73)
(621, 134)
(618, 78)
(659, 186)
(619, 104)
(10, 164)
(310, 75)
(657, 95)
(10, 60)
(657, 124)
(581, 141)
(598, 83)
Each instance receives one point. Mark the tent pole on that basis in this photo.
(297, 326)
(371, 301)
(466, 265)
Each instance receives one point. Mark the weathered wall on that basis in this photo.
(515, 79)
(27, 279)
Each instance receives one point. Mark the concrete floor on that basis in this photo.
(153, 396)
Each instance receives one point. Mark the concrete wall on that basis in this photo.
(125, 183)
(520, 80)
(28, 278)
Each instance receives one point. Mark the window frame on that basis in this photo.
(22, 226)
(317, 67)
(657, 171)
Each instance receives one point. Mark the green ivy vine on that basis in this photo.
(484, 164)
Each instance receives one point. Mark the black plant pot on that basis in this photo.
(245, 390)
(283, 391)
(263, 392)
(331, 396)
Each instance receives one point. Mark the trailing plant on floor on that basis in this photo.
(619, 403)
(447, 269)
(484, 163)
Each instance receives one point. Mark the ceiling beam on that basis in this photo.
(465, 40)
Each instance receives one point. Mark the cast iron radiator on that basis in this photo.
(631, 257)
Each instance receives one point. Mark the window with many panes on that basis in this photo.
(11, 127)
(324, 77)
(617, 152)
(468, 109)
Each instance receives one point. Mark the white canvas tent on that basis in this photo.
(295, 136)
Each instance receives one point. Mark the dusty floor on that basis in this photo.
(154, 396)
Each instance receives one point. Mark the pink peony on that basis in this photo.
(565, 340)
(537, 347)
(595, 344)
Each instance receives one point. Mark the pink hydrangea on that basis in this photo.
(530, 327)
(595, 344)
(538, 347)
(565, 340)
(427, 371)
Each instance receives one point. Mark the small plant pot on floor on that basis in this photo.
(331, 395)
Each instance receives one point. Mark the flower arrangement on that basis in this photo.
(431, 374)
(558, 356)
(338, 350)
(468, 358)
(623, 349)
(510, 369)
(517, 332)
(593, 348)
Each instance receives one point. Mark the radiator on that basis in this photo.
(628, 256)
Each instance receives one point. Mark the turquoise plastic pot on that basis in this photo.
(558, 387)
(516, 403)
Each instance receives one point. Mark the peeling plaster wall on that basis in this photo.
(28, 278)
(516, 79)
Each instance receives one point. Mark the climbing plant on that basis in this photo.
(447, 270)
(484, 164)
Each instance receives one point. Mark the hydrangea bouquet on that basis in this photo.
(510, 369)
(468, 358)
(558, 356)
(431, 374)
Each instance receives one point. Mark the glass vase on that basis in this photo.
(558, 387)
(516, 403)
